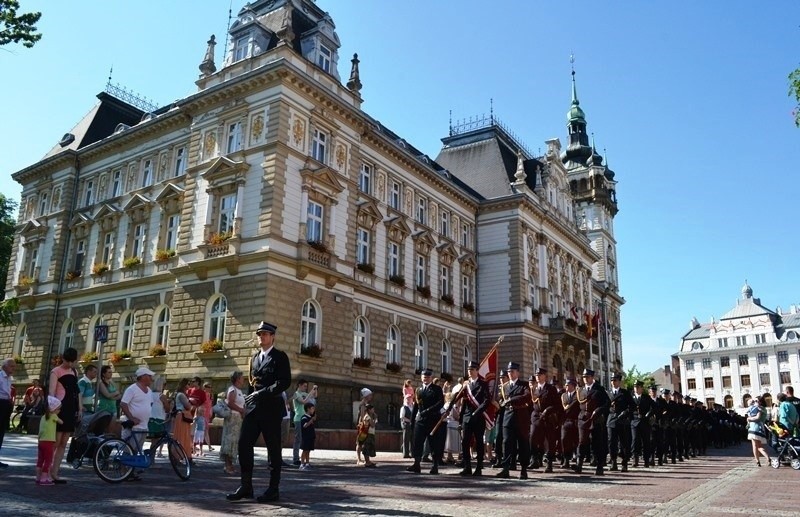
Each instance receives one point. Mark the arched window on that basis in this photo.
(467, 358)
(162, 327)
(217, 317)
(393, 345)
(767, 400)
(557, 367)
(570, 368)
(728, 402)
(421, 352)
(21, 340)
(581, 367)
(536, 363)
(309, 324)
(446, 363)
(126, 331)
(746, 399)
(67, 336)
(361, 338)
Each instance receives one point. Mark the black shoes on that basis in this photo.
(414, 468)
(503, 474)
(240, 493)
(614, 467)
(624, 467)
(270, 495)
(465, 472)
(598, 471)
(477, 473)
(523, 474)
(434, 470)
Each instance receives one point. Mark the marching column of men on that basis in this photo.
(582, 424)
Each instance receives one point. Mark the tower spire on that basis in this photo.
(354, 84)
(207, 67)
(578, 150)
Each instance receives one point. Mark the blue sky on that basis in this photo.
(689, 99)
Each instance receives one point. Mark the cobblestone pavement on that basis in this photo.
(722, 483)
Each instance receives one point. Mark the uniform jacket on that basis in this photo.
(570, 404)
(546, 397)
(595, 405)
(641, 409)
(274, 375)
(619, 407)
(480, 392)
(427, 404)
(518, 400)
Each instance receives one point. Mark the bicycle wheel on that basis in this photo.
(107, 462)
(179, 460)
(15, 422)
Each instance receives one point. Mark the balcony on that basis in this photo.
(315, 256)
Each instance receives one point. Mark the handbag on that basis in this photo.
(186, 419)
(221, 409)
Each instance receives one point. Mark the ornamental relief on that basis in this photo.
(131, 178)
(409, 200)
(381, 188)
(56, 203)
(30, 207)
(162, 168)
(210, 144)
(433, 218)
(101, 191)
(258, 125)
(297, 132)
(340, 158)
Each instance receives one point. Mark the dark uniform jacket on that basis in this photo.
(480, 394)
(641, 409)
(570, 404)
(273, 375)
(595, 406)
(427, 405)
(619, 407)
(546, 400)
(517, 402)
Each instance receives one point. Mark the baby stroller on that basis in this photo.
(87, 437)
(786, 447)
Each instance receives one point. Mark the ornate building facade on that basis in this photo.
(269, 194)
(749, 351)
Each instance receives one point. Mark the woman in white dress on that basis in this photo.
(232, 426)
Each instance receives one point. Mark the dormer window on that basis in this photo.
(324, 58)
(241, 48)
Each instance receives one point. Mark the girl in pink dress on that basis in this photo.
(408, 393)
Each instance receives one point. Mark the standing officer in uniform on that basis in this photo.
(658, 424)
(498, 420)
(642, 410)
(569, 429)
(428, 403)
(270, 375)
(618, 423)
(670, 418)
(473, 423)
(592, 423)
(544, 420)
(516, 422)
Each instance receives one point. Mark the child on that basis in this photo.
(199, 429)
(47, 440)
(308, 434)
(368, 448)
(408, 393)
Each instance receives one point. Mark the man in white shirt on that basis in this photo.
(136, 404)
(6, 401)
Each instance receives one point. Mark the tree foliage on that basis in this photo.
(7, 222)
(7, 310)
(17, 28)
(794, 91)
(633, 374)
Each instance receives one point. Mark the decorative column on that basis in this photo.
(237, 217)
(303, 213)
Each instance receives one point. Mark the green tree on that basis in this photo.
(16, 28)
(794, 91)
(7, 222)
(633, 374)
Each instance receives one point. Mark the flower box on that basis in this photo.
(164, 255)
(120, 356)
(366, 268)
(311, 350)
(447, 298)
(398, 280)
(99, 268)
(131, 262)
(212, 345)
(394, 368)
(424, 291)
(362, 362)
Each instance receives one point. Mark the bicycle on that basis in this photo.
(15, 424)
(115, 459)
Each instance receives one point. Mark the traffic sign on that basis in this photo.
(100, 333)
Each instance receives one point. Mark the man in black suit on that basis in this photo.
(619, 423)
(544, 420)
(428, 403)
(516, 423)
(592, 423)
(473, 422)
(270, 375)
(641, 411)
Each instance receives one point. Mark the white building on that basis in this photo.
(750, 351)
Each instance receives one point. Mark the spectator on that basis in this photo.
(108, 394)
(47, 440)
(34, 403)
(756, 418)
(309, 434)
(407, 425)
(285, 424)
(136, 405)
(200, 424)
(197, 396)
(86, 388)
(790, 398)
(182, 422)
(6, 399)
(232, 427)
(453, 439)
(64, 386)
(300, 397)
(158, 407)
(366, 398)
(408, 393)
(207, 405)
(787, 414)
(369, 421)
